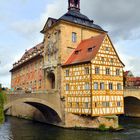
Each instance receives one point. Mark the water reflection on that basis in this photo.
(18, 129)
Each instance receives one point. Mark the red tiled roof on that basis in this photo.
(38, 49)
(133, 79)
(82, 53)
(32, 50)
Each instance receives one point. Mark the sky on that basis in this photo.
(22, 20)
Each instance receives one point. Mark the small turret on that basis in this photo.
(74, 5)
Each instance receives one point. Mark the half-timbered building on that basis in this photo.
(94, 78)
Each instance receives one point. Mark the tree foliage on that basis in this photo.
(2, 100)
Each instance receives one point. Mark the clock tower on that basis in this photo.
(74, 5)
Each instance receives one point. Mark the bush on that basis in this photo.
(102, 127)
(2, 100)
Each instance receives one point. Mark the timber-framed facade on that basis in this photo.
(94, 87)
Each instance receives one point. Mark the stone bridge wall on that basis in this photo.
(17, 102)
(132, 102)
(132, 93)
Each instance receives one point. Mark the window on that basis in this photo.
(35, 83)
(70, 104)
(31, 84)
(67, 73)
(40, 83)
(102, 86)
(118, 104)
(107, 71)
(105, 104)
(103, 59)
(87, 70)
(67, 87)
(77, 52)
(111, 60)
(96, 86)
(87, 87)
(86, 105)
(77, 105)
(119, 86)
(90, 49)
(96, 104)
(74, 37)
(117, 72)
(107, 49)
(97, 70)
(111, 86)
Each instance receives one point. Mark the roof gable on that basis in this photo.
(86, 50)
(48, 24)
(108, 52)
(115, 51)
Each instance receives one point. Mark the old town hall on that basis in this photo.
(76, 60)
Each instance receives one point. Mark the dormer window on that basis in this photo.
(77, 52)
(90, 49)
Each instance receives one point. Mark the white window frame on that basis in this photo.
(97, 70)
(95, 85)
(110, 86)
(67, 72)
(107, 71)
(117, 72)
(102, 86)
(86, 70)
(67, 87)
(119, 86)
(74, 37)
(87, 86)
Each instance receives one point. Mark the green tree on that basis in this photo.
(2, 100)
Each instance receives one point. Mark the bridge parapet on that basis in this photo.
(132, 93)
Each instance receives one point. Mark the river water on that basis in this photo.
(19, 129)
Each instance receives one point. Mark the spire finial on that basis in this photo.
(74, 5)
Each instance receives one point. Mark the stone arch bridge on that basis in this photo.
(132, 102)
(48, 103)
(51, 105)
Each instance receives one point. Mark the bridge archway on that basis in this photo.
(51, 114)
(132, 106)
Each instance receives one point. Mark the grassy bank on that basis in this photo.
(2, 100)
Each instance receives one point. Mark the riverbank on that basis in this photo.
(17, 129)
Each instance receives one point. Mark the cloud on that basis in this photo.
(56, 9)
(120, 17)
(27, 29)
